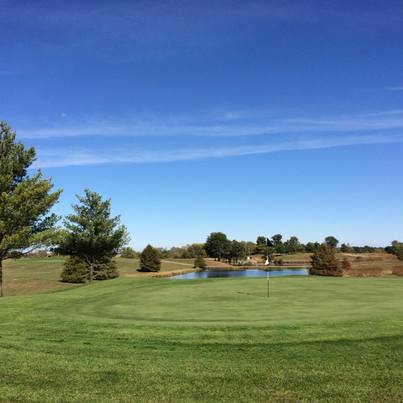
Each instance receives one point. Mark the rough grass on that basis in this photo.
(148, 339)
(39, 275)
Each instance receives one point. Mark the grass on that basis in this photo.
(149, 339)
(39, 275)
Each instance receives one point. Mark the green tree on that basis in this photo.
(150, 259)
(396, 248)
(278, 245)
(346, 248)
(194, 250)
(25, 201)
(331, 241)
(200, 263)
(238, 251)
(261, 244)
(217, 245)
(312, 247)
(92, 234)
(293, 245)
(74, 271)
(324, 262)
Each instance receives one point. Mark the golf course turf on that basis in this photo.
(151, 339)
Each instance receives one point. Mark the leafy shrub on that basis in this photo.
(150, 259)
(74, 271)
(345, 264)
(200, 263)
(324, 262)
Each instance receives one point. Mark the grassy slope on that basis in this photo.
(137, 339)
(34, 275)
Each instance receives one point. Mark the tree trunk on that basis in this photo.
(1, 277)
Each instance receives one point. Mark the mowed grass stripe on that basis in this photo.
(323, 339)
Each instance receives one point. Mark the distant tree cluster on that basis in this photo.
(128, 253)
(396, 248)
(219, 247)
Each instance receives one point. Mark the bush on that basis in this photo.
(105, 269)
(128, 253)
(345, 264)
(74, 271)
(150, 259)
(324, 262)
(200, 263)
(278, 262)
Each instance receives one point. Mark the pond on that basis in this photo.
(290, 271)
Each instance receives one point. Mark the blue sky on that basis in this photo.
(248, 117)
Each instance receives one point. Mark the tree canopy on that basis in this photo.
(331, 241)
(217, 245)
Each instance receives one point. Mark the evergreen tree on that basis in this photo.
(93, 235)
(150, 259)
(25, 201)
(74, 270)
(324, 262)
(200, 263)
(105, 269)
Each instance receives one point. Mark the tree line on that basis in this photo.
(91, 237)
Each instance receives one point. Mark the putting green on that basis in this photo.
(234, 301)
(314, 339)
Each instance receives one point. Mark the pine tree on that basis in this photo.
(74, 270)
(25, 201)
(105, 269)
(93, 235)
(150, 259)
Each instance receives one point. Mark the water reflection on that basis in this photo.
(241, 273)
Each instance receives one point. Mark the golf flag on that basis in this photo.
(269, 243)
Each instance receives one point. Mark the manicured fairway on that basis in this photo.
(315, 339)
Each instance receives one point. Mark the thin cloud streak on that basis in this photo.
(57, 158)
(242, 126)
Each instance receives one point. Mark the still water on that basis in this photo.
(241, 273)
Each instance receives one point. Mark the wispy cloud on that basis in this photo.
(398, 88)
(53, 158)
(230, 124)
